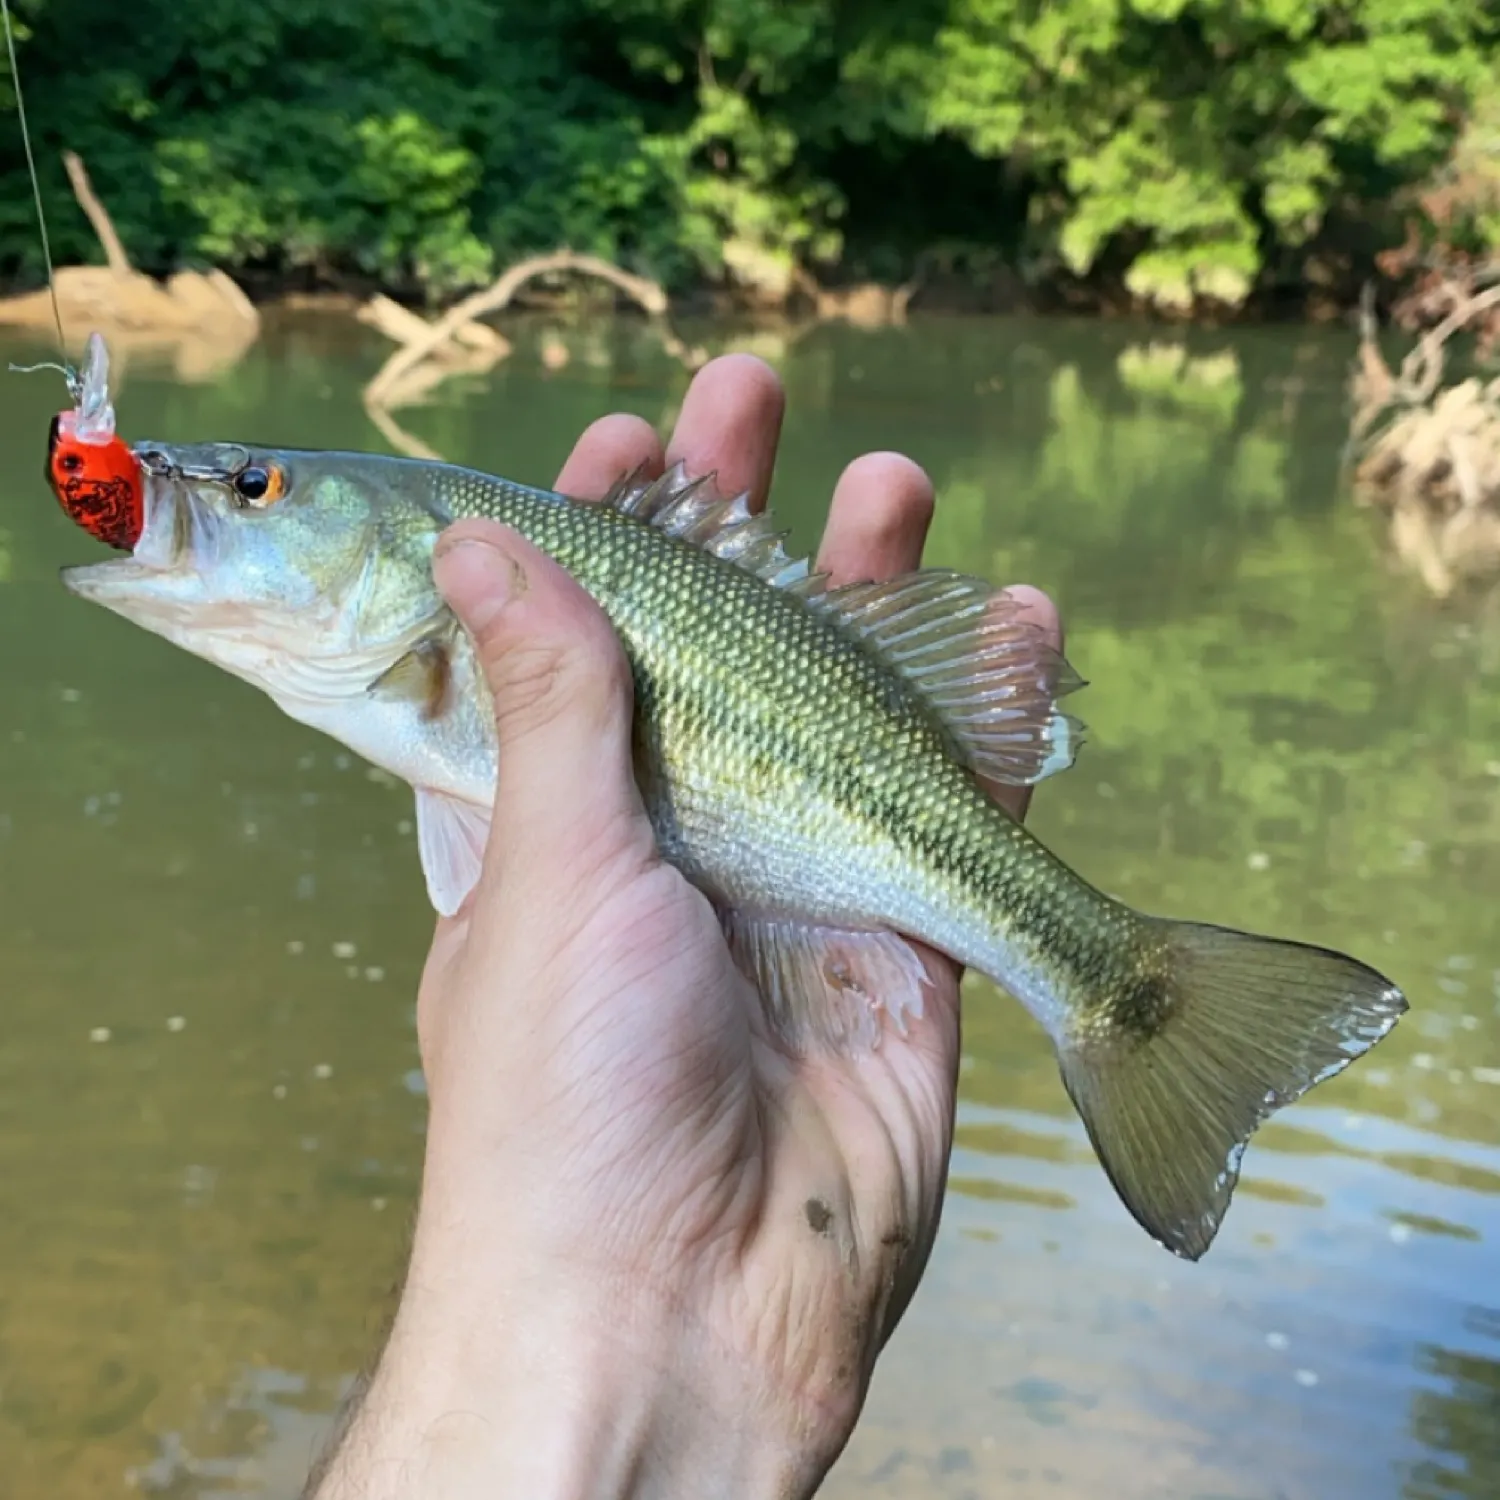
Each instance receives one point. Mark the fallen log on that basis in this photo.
(1428, 455)
(404, 327)
(130, 306)
(386, 389)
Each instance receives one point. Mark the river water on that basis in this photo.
(212, 921)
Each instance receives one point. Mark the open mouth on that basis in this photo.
(167, 529)
(172, 533)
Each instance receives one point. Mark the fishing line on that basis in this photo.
(36, 186)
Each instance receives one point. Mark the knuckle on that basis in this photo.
(531, 680)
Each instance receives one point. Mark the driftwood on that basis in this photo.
(399, 438)
(98, 216)
(1426, 455)
(386, 389)
(458, 342)
(405, 327)
(867, 304)
(201, 320)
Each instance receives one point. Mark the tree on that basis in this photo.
(1187, 152)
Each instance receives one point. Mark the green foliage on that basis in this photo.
(399, 209)
(1189, 150)
(743, 207)
(1195, 133)
(1463, 201)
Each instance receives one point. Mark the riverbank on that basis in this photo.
(1425, 455)
(866, 303)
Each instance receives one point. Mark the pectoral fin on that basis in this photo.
(422, 676)
(451, 837)
(823, 987)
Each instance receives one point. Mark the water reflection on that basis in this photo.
(213, 923)
(1458, 1416)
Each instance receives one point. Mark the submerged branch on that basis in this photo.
(404, 327)
(399, 438)
(1429, 456)
(391, 384)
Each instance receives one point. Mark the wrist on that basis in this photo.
(509, 1383)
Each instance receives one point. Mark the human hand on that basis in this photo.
(655, 1255)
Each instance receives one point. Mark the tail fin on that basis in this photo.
(1218, 1030)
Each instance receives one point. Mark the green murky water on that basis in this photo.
(211, 923)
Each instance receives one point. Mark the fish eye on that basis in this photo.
(72, 462)
(260, 484)
(252, 483)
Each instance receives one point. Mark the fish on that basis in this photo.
(814, 759)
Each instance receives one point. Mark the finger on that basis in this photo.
(877, 524)
(566, 798)
(1038, 609)
(730, 424)
(613, 446)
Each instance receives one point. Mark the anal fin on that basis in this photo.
(451, 838)
(824, 988)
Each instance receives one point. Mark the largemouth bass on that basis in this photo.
(810, 757)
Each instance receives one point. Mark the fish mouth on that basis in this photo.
(174, 539)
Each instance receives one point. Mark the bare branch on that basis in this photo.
(646, 294)
(98, 215)
(1422, 369)
(403, 326)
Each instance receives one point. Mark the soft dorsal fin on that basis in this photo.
(988, 674)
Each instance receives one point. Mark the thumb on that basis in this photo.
(563, 704)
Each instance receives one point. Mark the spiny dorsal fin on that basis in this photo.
(990, 674)
(693, 510)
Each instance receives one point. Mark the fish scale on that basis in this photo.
(744, 745)
(814, 759)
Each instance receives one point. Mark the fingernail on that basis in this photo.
(447, 542)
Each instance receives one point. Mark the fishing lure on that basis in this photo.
(98, 481)
(94, 475)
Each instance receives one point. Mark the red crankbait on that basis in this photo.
(96, 478)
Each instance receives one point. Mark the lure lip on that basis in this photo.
(54, 437)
